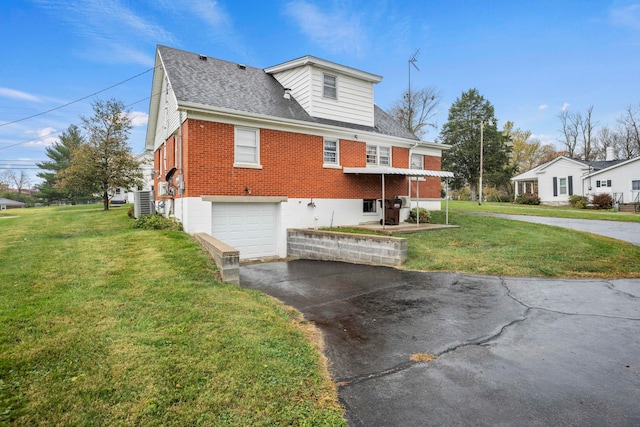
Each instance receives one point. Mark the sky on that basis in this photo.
(531, 59)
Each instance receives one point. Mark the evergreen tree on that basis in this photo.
(467, 115)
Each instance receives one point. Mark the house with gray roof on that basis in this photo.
(244, 153)
(556, 181)
(10, 204)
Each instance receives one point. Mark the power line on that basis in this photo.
(77, 100)
(58, 131)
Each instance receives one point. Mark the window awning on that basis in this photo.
(398, 171)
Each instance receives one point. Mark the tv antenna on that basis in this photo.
(412, 61)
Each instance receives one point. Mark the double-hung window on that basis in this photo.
(329, 87)
(562, 186)
(378, 156)
(635, 185)
(417, 161)
(331, 154)
(247, 147)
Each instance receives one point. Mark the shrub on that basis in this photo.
(425, 216)
(157, 222)
(577, 201)
(602, 201)
(131, 211)
(528, 199)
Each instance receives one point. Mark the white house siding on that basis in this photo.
(299, 81)
(354, 103)
(621, 177)
(168, 116)
(563, 168)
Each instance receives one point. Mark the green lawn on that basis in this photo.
(542, 210)
(104, 324)
(495, 246)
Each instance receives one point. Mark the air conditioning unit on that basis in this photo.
(406, 201)
(143, 203)
(163, 189)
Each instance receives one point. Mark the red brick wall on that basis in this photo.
(291, 166)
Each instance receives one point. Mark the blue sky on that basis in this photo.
(530, 59)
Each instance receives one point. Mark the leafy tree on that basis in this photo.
(462, 132)
(60, 158)
(526, 153)
(104, 161)
(416, 110)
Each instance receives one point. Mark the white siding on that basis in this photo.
(354, 103)
(355, 96)
(299, 81)
(621, 178)
(168, 115)
(563, 168)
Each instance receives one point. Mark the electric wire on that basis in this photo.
(76, 101)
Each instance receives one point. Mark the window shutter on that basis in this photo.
(571, 185)
(555, 186)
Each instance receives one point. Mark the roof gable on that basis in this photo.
(206, 83)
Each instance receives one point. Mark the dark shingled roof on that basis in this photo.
(219, 84)
(600, 164)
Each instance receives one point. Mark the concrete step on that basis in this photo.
(627, 207)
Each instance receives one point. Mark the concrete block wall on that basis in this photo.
(346, 247)
(226, 257)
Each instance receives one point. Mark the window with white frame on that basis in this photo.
(603, 183)
(331, 152)
(369, 206)
(417, 161)
(329, 87)
(247, 146)
(562, 186)
(378, 156)
(635, 185)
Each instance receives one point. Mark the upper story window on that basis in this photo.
(417, 161)
(329, 88)
(378, 156)
(331, 155)
(247, 147)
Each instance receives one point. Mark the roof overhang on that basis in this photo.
(398, 171)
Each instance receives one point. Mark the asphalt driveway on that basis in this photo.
(627, 231)
(509, 351)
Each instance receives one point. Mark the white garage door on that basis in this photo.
(248, 227)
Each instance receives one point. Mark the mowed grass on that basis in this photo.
(103, 324)
(495, 246)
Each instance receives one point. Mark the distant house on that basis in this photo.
(243, 153)
(555, 181)
(126, 195)
(10, 204)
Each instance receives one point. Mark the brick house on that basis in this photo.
(243, 153)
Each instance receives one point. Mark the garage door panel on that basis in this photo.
(249, 227)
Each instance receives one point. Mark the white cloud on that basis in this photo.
(337, 31)
(565, 106)
(112, 26)
(44, 137)
(16, 94)
(138, 118)
(543, 138)
(543, 107)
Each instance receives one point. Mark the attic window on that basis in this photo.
(329, 89)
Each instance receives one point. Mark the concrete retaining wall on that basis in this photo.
(347, 247)
(227, 258)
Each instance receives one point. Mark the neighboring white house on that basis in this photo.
(621, 181)
(555, 181)
(124, 195)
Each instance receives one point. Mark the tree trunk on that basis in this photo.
(105, 200)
